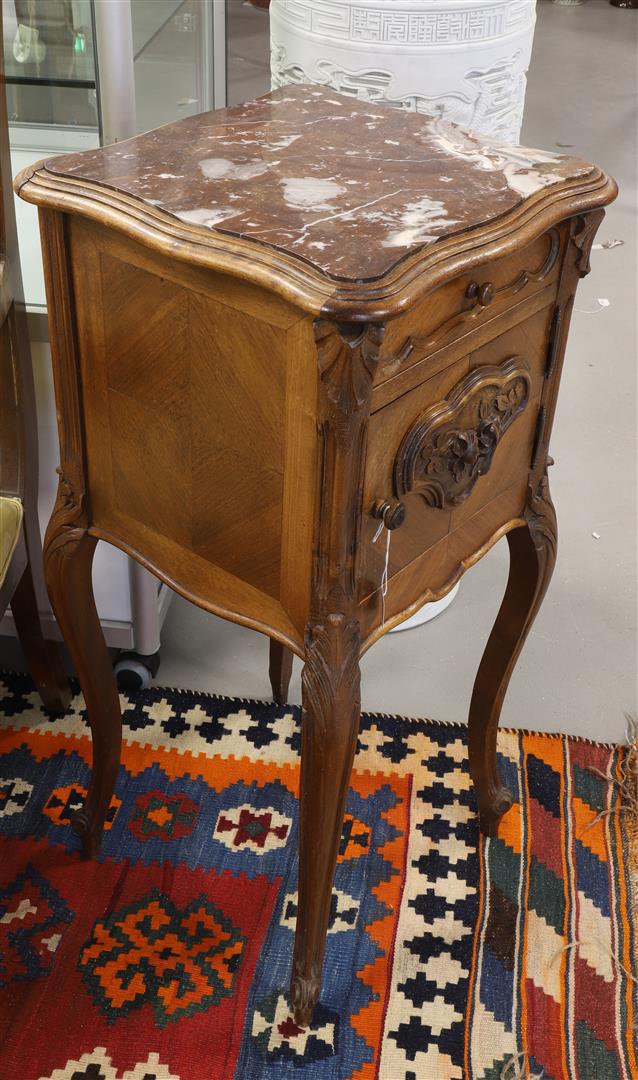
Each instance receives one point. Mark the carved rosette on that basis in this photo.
(68, 522)
(443, 455)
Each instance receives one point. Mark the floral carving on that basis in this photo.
(583, 233)
(541, 518)
(347, 362)
(68, 520)
(446, 451)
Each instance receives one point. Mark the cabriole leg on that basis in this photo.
(330, 723)
(43, 657)
(68, 558)
(532, 557)
(280, 670)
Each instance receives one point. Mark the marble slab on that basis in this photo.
(350, 187)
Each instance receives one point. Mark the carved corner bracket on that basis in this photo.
(584, 229)
(347, 355)
(68, 523)
(540, 515)
(453, 444)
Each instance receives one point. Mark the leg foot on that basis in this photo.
(68, 558)
(330, 722)
(304, 994)
(43, 657)
(532, 558)
(280, 670)
(494, 805)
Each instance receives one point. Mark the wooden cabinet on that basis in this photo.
(283, 357)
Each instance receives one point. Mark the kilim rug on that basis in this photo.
(448, 957)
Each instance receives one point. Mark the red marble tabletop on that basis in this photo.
(350, 187)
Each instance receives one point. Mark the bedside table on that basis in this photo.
(306, 355)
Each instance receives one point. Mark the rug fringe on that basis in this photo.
(604, 948)
(515, 1068)
(629, 798)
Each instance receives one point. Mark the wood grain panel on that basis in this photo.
(194, 424)
(233, 292)
(238, 373)
(198, 580)
(146, 336)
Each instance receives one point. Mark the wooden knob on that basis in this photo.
(392, 514)
(484, 293)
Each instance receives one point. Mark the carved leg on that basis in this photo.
(330, 723)
(43, 657)
(68, 557)
(280, 671)
(532, 558)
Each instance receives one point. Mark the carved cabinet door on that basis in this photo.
(456, 451)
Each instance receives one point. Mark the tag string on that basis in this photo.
(384, 577)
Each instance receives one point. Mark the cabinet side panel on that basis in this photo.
(186, 406)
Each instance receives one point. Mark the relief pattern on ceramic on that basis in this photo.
(406, 22)
(464, 60)
(348, 187)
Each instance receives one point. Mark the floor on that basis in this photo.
(578, 670)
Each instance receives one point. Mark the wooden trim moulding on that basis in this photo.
(292, 277)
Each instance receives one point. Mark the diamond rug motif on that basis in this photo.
(449, 957)
(150, 951)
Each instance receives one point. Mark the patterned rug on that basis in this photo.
(168, 958)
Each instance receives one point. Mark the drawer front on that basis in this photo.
(467, 304)
(456, 452)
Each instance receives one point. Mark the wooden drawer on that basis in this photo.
(456, 451)
(466, 304)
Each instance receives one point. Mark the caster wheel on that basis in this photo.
(134, 671)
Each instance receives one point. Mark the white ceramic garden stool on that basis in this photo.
(463, 59)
